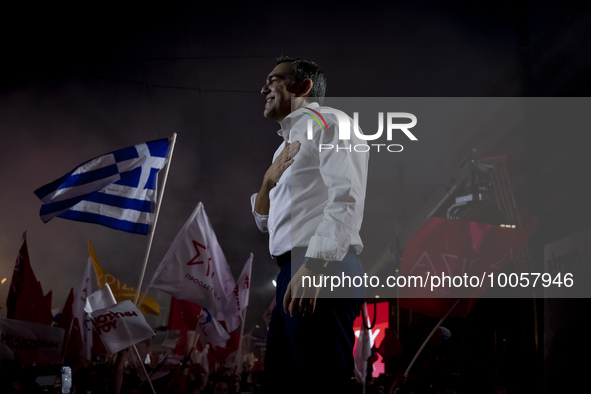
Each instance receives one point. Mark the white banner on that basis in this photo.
(31, 342)
(120, 326)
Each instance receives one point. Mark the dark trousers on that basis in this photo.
(313, 354)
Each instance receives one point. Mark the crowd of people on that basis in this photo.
(119, 374)
(122, 373)
(177, 373)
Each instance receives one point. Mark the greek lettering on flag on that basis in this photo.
(195, 268)
(116, 190)
(243, 283)
(120, 326)
(241, 295)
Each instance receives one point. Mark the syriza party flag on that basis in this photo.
(456, 259)
(116, 190)
(195, 268)
(243, 284)
(241, 295)
(212, 331)
(120, 326)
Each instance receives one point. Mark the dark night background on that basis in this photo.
(86, 78)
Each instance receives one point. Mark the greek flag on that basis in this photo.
(117, 190)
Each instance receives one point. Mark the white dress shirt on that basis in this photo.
(318, 202)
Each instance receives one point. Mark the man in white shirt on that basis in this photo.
(311, 204)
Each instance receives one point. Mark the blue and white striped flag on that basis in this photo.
(117, 190)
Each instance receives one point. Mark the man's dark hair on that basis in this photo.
(304, 68)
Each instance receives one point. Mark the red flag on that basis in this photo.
(221, 353)
(73, 347)
(66, 314)
(187, 316)
(25, 297)
(183, 315)
(456, 249)
(47, 298)
(182, 344)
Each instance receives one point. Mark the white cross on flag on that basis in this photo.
(195, 268)
(117, 189)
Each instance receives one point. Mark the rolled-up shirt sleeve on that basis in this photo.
(260, 220)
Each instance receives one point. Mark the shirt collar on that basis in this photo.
(290, 119)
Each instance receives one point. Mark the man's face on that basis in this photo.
(278, 91)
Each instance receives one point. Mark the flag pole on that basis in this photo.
(196, 334)
(66, 336)
(169, 158)
(194, 345)
(144, 368)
